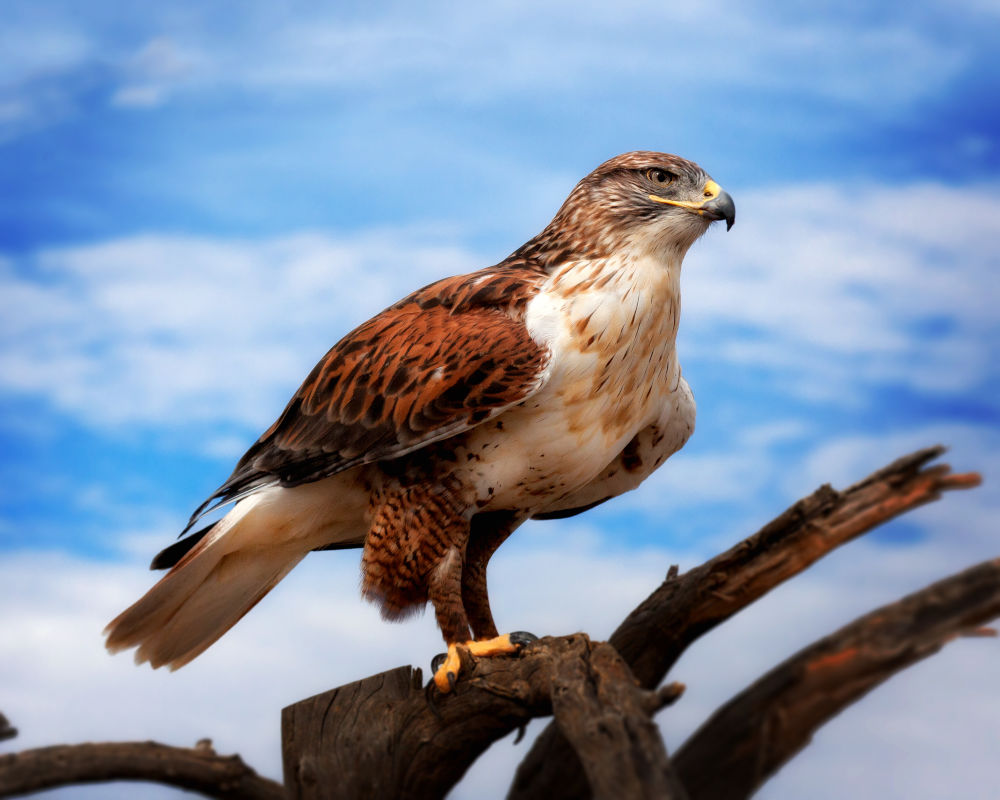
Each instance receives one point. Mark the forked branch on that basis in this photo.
(660, 629)
(749, 738)
(608, 722)
(388, 736)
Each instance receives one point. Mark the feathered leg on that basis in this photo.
(488, 532)
(418, 550)
(414, 552)
(444, 590)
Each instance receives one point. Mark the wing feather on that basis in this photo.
(440, 361)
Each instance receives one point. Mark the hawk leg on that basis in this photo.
(414, 551)
(445, 593)
(487, 532)
(421, 547)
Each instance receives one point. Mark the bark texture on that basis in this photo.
(685, 607)
(749, 738)
(389, 736)
(197, 769)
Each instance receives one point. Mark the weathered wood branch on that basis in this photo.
(654, 636)
(606, 719)
(388, 736)
(657, 632)
(197, 769)
(7, 731)
(749, 738)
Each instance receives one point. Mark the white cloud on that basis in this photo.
(985, 7)
(696, 479)
(226, 448)
(468, 53)
(840, 460)
(842, 289)
(45, 64)
(834, 459)
(176, 330)
(42, 47)
(772, 433)
(849, 286)
(757, 480)
(148, 76)
(139, 96)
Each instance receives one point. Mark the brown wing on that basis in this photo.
(440, 361)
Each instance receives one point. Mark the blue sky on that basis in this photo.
(200, 198)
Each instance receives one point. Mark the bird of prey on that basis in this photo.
(535, 388)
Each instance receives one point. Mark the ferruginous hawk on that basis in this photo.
(536, 388)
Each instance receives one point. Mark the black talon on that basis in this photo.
(437, 661)
(452, 680)
(429, 695)
(522, 638)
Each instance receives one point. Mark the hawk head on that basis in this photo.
(644, 200)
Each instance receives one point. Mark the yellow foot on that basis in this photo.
(498, 646)
(447, 673)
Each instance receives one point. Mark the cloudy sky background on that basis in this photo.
(199, 200)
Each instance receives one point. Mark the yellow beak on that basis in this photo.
(716, 203)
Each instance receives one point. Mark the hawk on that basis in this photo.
(535, 388)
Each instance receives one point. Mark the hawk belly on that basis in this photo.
(614, 405)
(646, 451)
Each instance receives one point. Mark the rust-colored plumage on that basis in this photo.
(442, 360)
(535, 388)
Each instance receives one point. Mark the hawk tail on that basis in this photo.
(208, 590)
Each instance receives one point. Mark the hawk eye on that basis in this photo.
(660, 177)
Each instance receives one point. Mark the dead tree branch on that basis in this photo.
(197, 769)
(749, 738)
(606, 719)
(385, 736)
(7, 731)
(657, 632)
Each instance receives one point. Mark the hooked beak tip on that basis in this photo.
(722, 207)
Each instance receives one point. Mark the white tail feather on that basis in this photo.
(209, 590)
